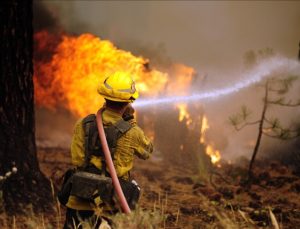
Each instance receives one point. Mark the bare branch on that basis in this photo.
(245, 112)
(234, 120)
(246, 124)
(278, 127)
(280, 132)
(237, 119)
(270, 136)
(280, 102)
(282, 86)
(275, 124)
(279, 137)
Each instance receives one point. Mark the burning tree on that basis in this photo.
(17, 130)
(275, 89)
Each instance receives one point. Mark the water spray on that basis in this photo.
(263, 70)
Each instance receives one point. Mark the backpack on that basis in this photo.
(88, 182)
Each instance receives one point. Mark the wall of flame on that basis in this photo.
(79, 64)
(68, 70)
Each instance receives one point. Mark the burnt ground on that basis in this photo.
(220, 200)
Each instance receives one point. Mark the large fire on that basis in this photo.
(78, 66)
(69, 77)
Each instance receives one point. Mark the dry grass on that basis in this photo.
(141, 219)
(165, 209)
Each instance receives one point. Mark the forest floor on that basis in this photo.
(220, 201)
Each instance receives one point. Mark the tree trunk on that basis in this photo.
(260, 132)
(17, 129)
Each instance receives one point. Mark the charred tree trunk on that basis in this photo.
(17, 129)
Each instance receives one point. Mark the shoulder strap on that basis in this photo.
(87, 122)
(123, 126)
(112, 132)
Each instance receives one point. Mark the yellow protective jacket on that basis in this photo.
(133, 142)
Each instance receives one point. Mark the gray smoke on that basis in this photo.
(44, 17)
(212, 37)
(201, 34)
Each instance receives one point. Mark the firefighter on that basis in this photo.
(119, 92)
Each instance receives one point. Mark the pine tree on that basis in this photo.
(275, 89)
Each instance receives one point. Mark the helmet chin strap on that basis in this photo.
(110, 165)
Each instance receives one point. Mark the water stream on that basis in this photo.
(257, 74)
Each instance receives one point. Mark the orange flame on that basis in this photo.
(71, 69)
(214, 154)
(181, 81)
(79, 65)
(183, 114)
(204, 128)
(182, 77)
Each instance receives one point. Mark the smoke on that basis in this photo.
(44, 18)
(241, 143)
(219, 108)
(255, 76)
(53, 127)
(212, 37)
(201, 34)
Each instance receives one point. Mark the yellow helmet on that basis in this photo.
(119, 87)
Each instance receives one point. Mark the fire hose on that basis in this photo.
(110, 165)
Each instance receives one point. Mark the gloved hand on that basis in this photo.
(128, 113)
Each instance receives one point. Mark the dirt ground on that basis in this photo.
(218, 201)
